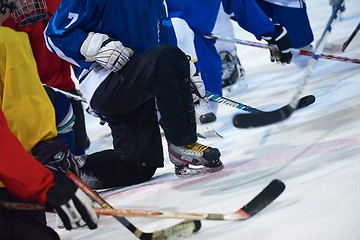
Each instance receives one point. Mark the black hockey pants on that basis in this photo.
(127, 100)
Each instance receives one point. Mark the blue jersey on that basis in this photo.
(201, 15)
(250, 17)
(138, 24)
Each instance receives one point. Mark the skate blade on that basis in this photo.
(207, 131)
(198, 171)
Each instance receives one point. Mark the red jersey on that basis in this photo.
(53, 70)
(21, 174)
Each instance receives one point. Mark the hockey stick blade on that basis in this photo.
(182, 229)
(266, 118)
(267, 196)
(258, 203)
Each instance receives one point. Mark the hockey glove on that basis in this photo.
(197, 84)
(71, 204)
(282, 41)
(55, 155)
(108, 52)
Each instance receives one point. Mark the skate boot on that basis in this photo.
(203, 159)
(203, 111)
(302, 61)
(232, 73)
(80, 160)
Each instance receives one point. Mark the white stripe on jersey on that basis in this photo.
(288, 3)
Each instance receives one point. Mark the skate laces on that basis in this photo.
(195, 148)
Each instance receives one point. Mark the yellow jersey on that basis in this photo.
(27, 108)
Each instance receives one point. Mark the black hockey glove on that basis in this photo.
(55, 155)
(282, 41)
(71, 203)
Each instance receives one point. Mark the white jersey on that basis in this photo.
(288, 3)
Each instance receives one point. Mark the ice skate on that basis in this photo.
(233, 74)
(203, 159)
(203, 112)
(80, 160)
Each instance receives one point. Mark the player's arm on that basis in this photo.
(63, 35)
(28, 179)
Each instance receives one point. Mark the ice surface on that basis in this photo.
(316, 153)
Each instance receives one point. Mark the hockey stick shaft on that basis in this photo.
(122, 212)
(347, 42)
(314, 58)
(293, 50)
(181, 229)
(21, 206)
(258, 203)
(69, 95)
(131, 212)
(304, 101)
(217, 98)
(263, 199)
(210, 95)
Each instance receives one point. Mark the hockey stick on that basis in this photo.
(69, 95)
(303, 102)
(347, 42)
(182, 229)
(258, 203)
(293, 50)
(266, 118)
(21, 206)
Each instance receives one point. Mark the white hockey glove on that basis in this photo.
(282, 41)
(197, 84)
(71, 204)
(108, 52)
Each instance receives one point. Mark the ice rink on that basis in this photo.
(316, 153)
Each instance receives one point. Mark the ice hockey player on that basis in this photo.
(247, 14)
(32, 17)
(27, 125)
(293, 16)
(64, 116)
(233, 73)
(125, 57)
